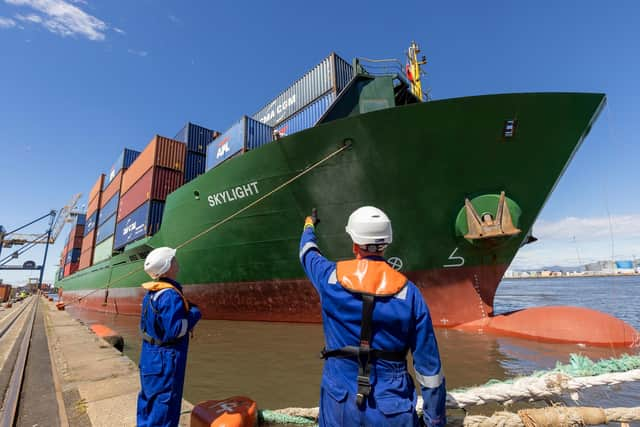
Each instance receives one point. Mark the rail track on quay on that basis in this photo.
(11, 398)
(26, 374)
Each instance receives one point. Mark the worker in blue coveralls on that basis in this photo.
(372, 316)
(166, 320)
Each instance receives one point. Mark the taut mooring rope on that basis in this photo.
(346, 144)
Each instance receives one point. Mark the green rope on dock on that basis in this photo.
(580, 366)
(265, 416)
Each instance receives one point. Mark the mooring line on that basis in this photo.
(346, 144)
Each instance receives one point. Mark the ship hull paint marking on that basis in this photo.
(229, 195)
(459, 261)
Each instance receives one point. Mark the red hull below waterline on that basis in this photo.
(454, 296)
(457, 297)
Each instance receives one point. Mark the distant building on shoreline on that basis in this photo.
(598, 268)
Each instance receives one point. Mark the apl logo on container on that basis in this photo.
(223, 148)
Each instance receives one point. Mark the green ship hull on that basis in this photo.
(417, 162)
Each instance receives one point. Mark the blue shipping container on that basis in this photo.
(331, 75)
(196, 137)
(81, 219)
(91, 222)
(106, 229)
(72, 256)
(194, 165)
(142, 222)
(308, 117)
(123, 162)
(246, 134)
(110, 208)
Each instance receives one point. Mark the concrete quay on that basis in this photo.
(97, 384)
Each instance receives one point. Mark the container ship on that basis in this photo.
(462, 180)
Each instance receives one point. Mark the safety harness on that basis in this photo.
(370, 279)
(155, 287)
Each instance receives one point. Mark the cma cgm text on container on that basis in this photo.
(332, 74)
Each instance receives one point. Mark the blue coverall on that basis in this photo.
(400, 322)
(162, 367)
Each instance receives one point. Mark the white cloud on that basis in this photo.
(119, 30)
(7, 22)
(572, 241)
(65, 19)
(589, 228)
(142, 53)
(175, 19)
(36, 19)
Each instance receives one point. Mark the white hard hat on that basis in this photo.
(158, 261)
(369, 226)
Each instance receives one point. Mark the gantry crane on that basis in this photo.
(57, 221)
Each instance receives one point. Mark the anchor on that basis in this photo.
(486, 226)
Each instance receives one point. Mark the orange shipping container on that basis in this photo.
(97, 188)
(161, 151)
(93, 205)
(112, 188)
(89, 241)
(155, 184)
(86, 258)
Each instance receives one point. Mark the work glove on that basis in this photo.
(312, 220)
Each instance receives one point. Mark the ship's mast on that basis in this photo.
(414, 70)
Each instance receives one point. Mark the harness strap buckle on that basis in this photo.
(364, 389)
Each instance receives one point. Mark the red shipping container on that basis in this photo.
(96, 189)
(75, 238)
(74, 243)
(156, 184)
(79, 230)
(160, 151)
(112, 189)
(70, 268)
(86, 258)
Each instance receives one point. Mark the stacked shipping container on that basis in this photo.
(246, 134)
(158, 171)
(331, 75)
(104, 199)
(71, 252)
(106, 223)
(307, 117)
(93, 209)
(197, 139)
(297, 108)
(127, 205)
(123, 161)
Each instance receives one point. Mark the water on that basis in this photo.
(277, 364)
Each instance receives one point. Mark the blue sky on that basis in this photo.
(80, 79)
